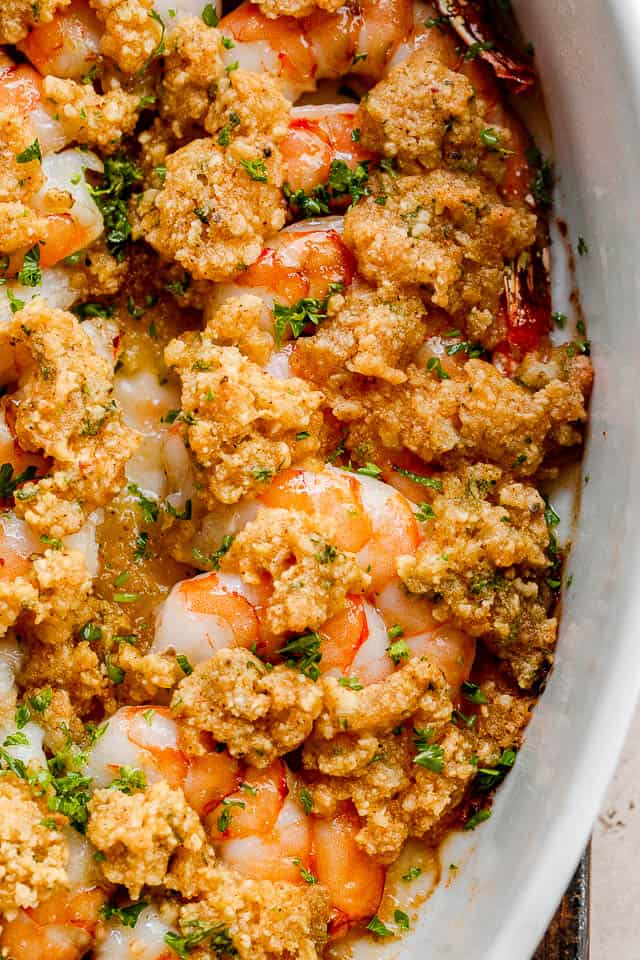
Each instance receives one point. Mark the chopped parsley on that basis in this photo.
(40, 701)
(370, 470)
(412, 874)
(210, 16)
(224, 820)
(431, 482)
(343, 182)
(217, 934)
(401, 919)
(424, 512)
(183, 663)
(541, 185)
(487, 778)
(430, 755)
(148, 507)
(119, 177)
(30, 274)
(583, 248)
(8, 482)
(32, 152)
(380, 929)
(213, 559)
(306, 800)
(304, 654)
(398, 651)
(472, 693)
(351, 683)
(307, 310)
(256, 169)
(129, 779)
(128, 916)
(475, 819)
(434, 364)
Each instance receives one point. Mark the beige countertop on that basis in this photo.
(615, 865)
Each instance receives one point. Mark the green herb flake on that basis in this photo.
(40, 701)
(377, 927)
(128, 916)
(210, 16)
(477, 818)
(303, 653)
(472, 693)
(129, 780)
(412, 874)
(398, 651)
(32, 152)
(30, 274)
(183, 663)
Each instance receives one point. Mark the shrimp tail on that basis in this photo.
(472, 22)
(527, 298)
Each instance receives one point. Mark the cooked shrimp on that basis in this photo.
(358, 38)
(67, 46)
(18, 543)
(148, 739)
(72, 217)
(355, 882)
(21, 87)
(145, 402)
(318, 136)
(139, 737)
(62, 927)
(263, 833)
(145, 941)
(55, 288)
(308, 260)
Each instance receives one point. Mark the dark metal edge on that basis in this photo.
(568, 935)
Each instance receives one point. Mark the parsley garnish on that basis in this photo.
(41, 700)
(304, 654)
(472, 692)
(306, 310)
(351, 683)
(128, 916)
(434, 363)
(424, 512)
(216, 933)
(32, 152)
(256, 169)
(213, 559)
(479, 817)
(342, 182)
(412, 874)
(148, 507)
(128, 780)
(429, 755)
(118, 179)
(210, 16)
(224, 820)
(380, 929)
(418, 478)
(183, 663)
(30, 274)
(489, 777)
(398, 650)
(306, 800)
(8, 482)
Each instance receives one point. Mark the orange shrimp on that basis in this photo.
(319, 137)
(359, 38)
(354, 880)
(62, 927)
(68, 46)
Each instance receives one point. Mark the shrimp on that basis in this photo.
(358, 38)
(262, 832)
(145, 402)
(68, 46)
(307, 261)
(62, 927)
(217, 610)
(318, 137)
(148, 739)
(144, 941)
(21, 87)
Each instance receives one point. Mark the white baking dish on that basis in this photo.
(514, 868)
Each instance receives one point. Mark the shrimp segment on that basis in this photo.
(21, 87)
(317, 137)
(359, 37)
(68, 46)
(60, 928)
(355, 881)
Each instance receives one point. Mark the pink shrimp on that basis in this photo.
(67, 46)
(62, 927)
(358, 38)
(262, 832)
(372, 520)
(319, 137)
